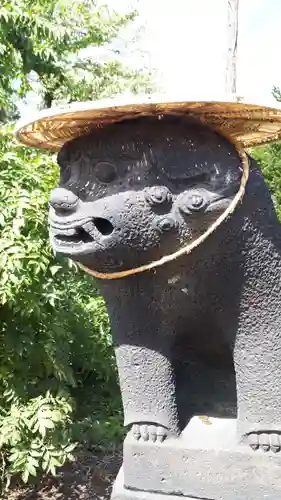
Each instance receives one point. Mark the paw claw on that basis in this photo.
(161, 434)
(136, 431)
(253, 441)
(266, 441)
(144, 432)
(149, 432)
(275, 443)
(152, 432)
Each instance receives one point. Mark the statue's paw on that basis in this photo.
(266, 441)
(149, 432)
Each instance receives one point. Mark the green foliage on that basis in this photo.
(35, 434)
(54, 330)
(45, 37)
(269, 158)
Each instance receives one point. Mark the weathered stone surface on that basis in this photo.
(253, 484)
(205, 462)
(200, 335)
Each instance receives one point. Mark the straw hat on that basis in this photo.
(249, 124)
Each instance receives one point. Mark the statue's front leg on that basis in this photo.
(148, 388)
(258, 374)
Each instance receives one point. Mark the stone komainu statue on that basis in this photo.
(200, 335)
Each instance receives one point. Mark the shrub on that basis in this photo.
(54, 329)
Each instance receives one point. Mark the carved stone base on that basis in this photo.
(119, 492)
(204, 463)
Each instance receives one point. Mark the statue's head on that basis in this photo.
(134, 191)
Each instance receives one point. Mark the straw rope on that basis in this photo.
(194, 244)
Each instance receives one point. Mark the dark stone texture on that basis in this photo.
(197, 336)
(246, 480)
(206, 462)
(120, 492)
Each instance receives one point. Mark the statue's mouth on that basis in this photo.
(72, 236)
(79, 237)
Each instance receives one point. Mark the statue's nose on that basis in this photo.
(62, 200)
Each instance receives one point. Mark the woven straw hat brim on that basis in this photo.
(249, 124)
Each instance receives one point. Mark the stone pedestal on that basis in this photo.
(204, 463)
(120, 492)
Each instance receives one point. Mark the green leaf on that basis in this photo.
(52, 470)
(45, 424)
(54, 269)
(70, 447)
(31, 469)
(25, 475)
(36, 453)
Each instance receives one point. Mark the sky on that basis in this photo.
(184, 43)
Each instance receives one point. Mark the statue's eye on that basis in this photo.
(105, 172)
